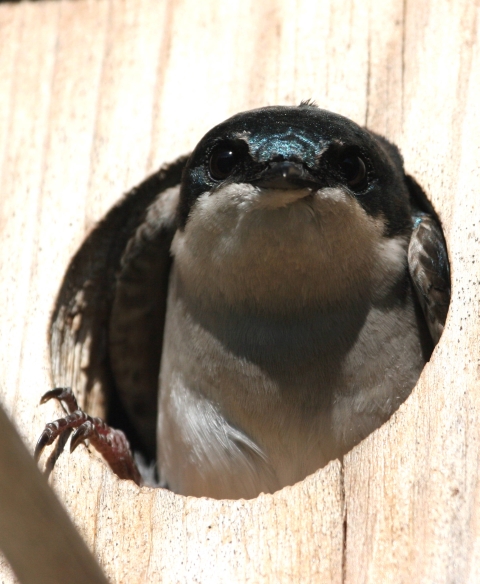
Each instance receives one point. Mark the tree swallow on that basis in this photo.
(280, 305)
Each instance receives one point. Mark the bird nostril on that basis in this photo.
(292, 158)
(283, 175)
(286, 168)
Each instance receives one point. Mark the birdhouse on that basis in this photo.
(95, 97)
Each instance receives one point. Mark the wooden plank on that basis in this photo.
(26, 109)
(412, 487)
(95, 95)
(36, 534)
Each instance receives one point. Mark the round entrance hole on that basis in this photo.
(93, 342)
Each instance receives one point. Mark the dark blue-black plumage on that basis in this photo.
(315, 139)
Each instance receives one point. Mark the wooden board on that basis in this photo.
(96, 94)
(36, 535)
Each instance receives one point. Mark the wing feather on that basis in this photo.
(88, 340)
(430, 272)
(138, 315)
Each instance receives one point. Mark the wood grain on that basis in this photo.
(96, 94)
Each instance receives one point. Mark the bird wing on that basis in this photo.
(430, 271)
(138, 314)
(88, 338)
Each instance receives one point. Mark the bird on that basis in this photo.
(271, 310)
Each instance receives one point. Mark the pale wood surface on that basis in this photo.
(94, 95)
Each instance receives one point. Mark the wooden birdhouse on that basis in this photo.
(95, 95)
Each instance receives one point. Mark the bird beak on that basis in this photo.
(285, 175)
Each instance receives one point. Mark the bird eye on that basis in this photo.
(354, 170)
(223, 159)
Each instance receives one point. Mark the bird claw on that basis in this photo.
(64, 395)
(44, 440)
(75, 418)
(82, 433)
(111, 443)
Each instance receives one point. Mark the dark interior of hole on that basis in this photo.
(87, 292)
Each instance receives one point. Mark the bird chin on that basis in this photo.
(278, 198)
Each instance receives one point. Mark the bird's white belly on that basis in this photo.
(247, 407)
(201, 454)
(224, 428)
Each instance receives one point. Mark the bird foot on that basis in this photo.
(111, 443)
